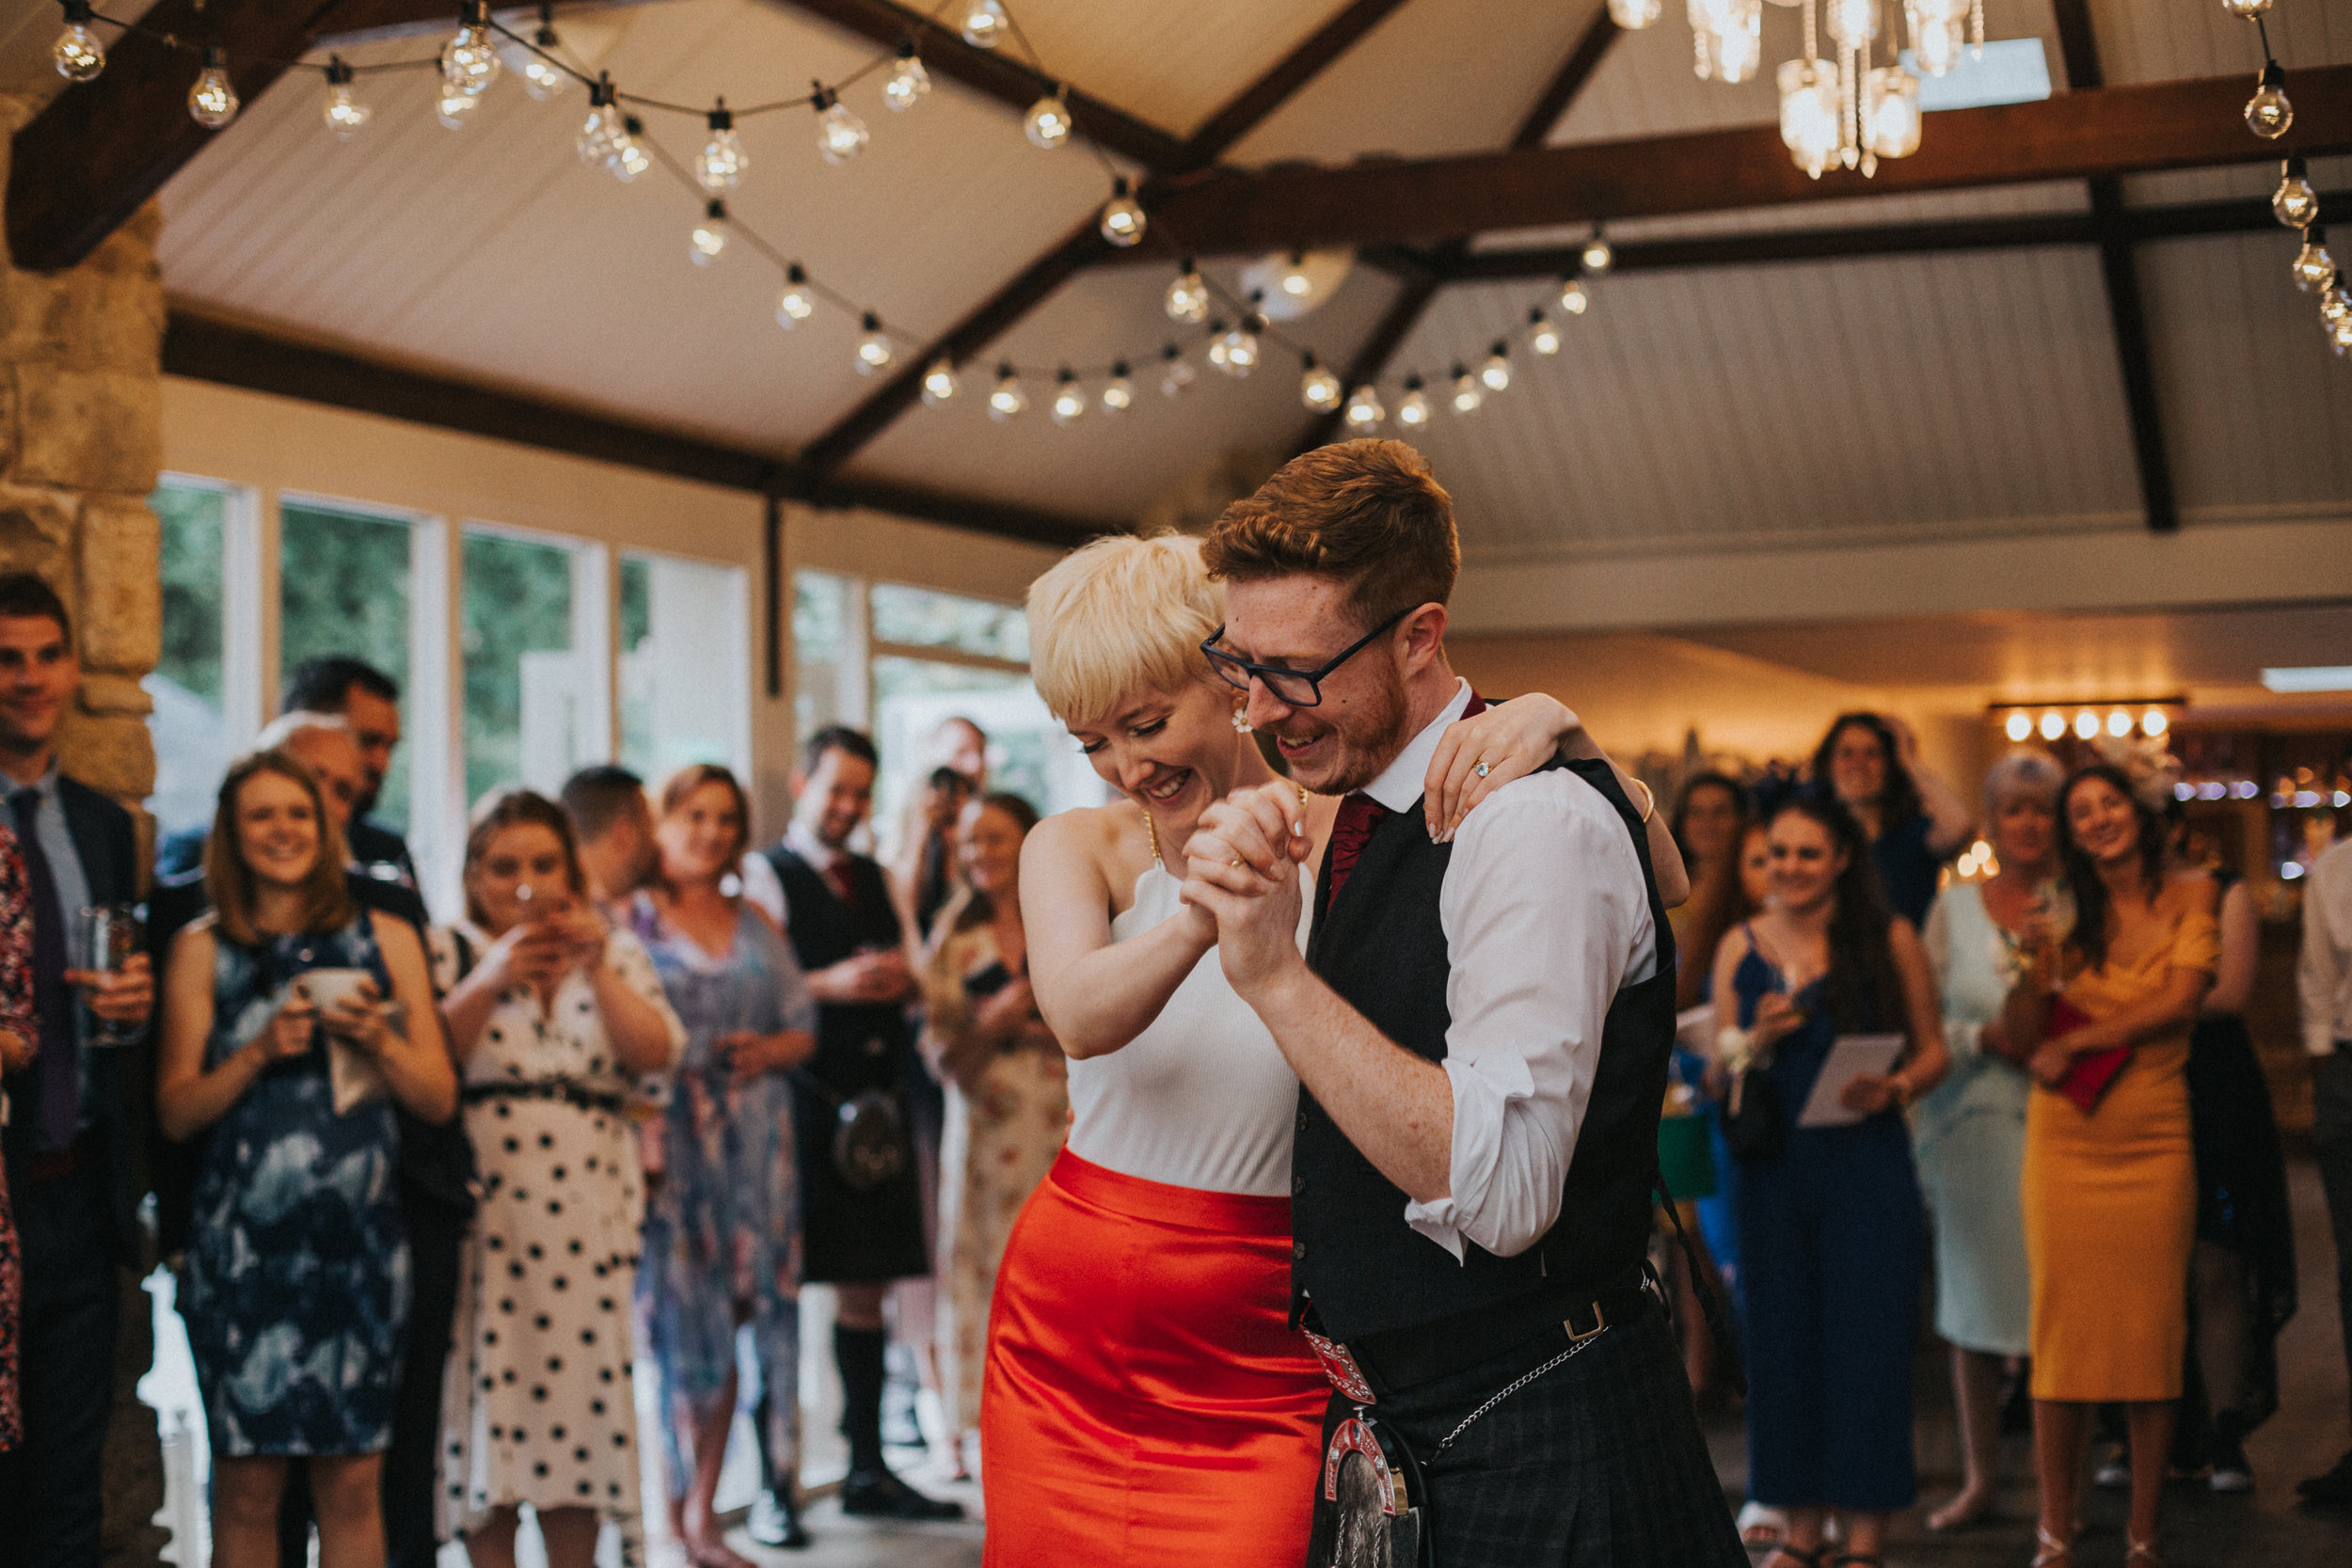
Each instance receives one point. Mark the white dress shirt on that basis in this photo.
(1546, 917)
(2325, 976)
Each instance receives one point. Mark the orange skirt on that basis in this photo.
(1146, 1399)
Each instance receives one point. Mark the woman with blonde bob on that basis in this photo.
(1145, 1395)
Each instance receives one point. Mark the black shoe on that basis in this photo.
(775, 1521)
(2331, 1490)
(880, 1494)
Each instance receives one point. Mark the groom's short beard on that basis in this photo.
(1375, 734)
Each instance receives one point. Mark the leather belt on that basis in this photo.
(1397, 1359)
(55, 1164)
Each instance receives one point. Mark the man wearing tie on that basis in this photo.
(73, 1134)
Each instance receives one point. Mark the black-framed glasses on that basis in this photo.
(1291, 687)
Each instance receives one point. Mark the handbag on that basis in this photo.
(1754, 1129)
(2090, 1075)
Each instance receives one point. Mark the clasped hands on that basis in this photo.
(1240, 866)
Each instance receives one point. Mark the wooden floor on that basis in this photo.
(2201, 1530)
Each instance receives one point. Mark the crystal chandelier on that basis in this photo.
(1845, 111)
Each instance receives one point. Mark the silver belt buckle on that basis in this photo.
(1340, 1368)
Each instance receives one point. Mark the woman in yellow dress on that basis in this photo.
(2111, 1194)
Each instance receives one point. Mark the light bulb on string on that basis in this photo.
(1412, 409)
(2246, 11)
(709, 241)
(2335, 309)
(939, 382)
(2052, 726)
(542, 77)
(1364, 412)
(1048, 123)
(2294, 203)
(1542, 336)
(1176, 373)
(2086, 724)
(2315, 269)
(213, 102)
(1599, 255)
(1122, 217)
(840, 134)
(2154, 722)
(456, 107)
(1187, 297)
(1318, 388)
(2340, 332)
(1467, 395)
(1006, 399)
(984, 24)
(2019, 726)
(343, 113)
(2267, 113)
(909, 83)
(1574, 297)
(1295, 280)
(470, 60)
(797, 304)
(602, 131)
(1233, 350)
(1069, 399)
(1119, 392)
(78, 54)
(721, 164)
(630, 157)
(1495, 375)
(1635, 15)
(874, 352)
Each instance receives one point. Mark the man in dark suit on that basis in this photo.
(368, 700)
(74, 1139)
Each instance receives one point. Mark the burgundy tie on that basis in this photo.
(1359, 815)
(837, 875)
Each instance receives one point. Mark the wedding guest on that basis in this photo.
(1009, 1087)
(75, 1133)
(2324, 986)
(721, 1243)
(2110, 1194)
(612, 825)
(20, 1037)
(296, 1278)
(1830, 1224)
(554, 1014)
(924, 875)
(1969, 1133)
(1913, 819)
(1710, 825)
(368, 700)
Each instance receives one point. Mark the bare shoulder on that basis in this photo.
(1090, 850)
(395, 937)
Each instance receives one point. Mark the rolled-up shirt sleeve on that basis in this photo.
(1546, 915)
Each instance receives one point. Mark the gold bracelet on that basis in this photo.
(1649, 800)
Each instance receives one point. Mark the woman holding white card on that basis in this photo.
(1831, 1234)
(295, 1287)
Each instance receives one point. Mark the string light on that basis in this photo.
(456, 107)
(1574, 297)
(212, 101)
(1496, 372)
(2247, 10)
(1187, 298)
(2019, 726)
(542, 78)
(1048, 124)
(796, 305)
(2267, 113)
(874, 352)
(1006, 400)
(343, 113)
(1318, 388)
(709, 241)
(1542, 336)
(909, 84)
(2335, 309)
(2315, 269)
(601, 134)
(840, 134)
(78, 54)
(1467, 396)
(2294, 203)
(984, 26)
(1176, 373)
(630, 157)
(1122, 218)
(1412, 409)
(1599, 255)
(2154, 722)
(720, 165)
(1364, 412)
(1296, 282)
(1119, 393)
(2086, 724)
(1233, 350)
(1635, 15)
(939, 382)
(1070, 402)
(2052, 726)
(469, 61)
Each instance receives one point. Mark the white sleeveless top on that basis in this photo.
(1202, 1097)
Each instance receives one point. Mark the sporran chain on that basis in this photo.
(1575, 1349)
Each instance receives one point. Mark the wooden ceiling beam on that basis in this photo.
(1255, 104)
(2073, 135)
(231, 354)
(85, 162)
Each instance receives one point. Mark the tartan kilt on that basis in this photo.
(1598, 1463)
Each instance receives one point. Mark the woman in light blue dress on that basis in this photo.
(722, 1226)
(1970, 1132)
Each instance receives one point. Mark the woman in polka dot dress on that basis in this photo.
(553, 1015)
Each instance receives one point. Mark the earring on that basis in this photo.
(1241, 721)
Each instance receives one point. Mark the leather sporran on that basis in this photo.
(870, 1145)
(1754, 1128)
(1372, 1512)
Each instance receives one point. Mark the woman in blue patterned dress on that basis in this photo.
(296, 1282)
(723, 1227)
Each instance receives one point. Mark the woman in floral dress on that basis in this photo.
(1008, 1085)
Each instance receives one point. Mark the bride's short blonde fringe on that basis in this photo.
(1117, 617)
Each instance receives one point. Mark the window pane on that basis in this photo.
(343, 589)
(190, 735)
(821, 629)
(930, 619)
(523, 684)
(684, 664)
(1029, 753)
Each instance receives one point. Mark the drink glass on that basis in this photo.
(104, 938)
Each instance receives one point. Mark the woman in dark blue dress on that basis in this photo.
(1913, 820)
(1831, 1232)
(296, 1282)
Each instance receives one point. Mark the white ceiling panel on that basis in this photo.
(2162, 40)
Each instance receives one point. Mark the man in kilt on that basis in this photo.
(1481, 1029)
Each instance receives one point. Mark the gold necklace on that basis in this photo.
(1151, 831)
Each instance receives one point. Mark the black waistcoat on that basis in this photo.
(860, 1045)
(1381, 947)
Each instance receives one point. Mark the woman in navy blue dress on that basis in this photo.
(1913, 820)
(296, 1282)
(1831, 1232)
